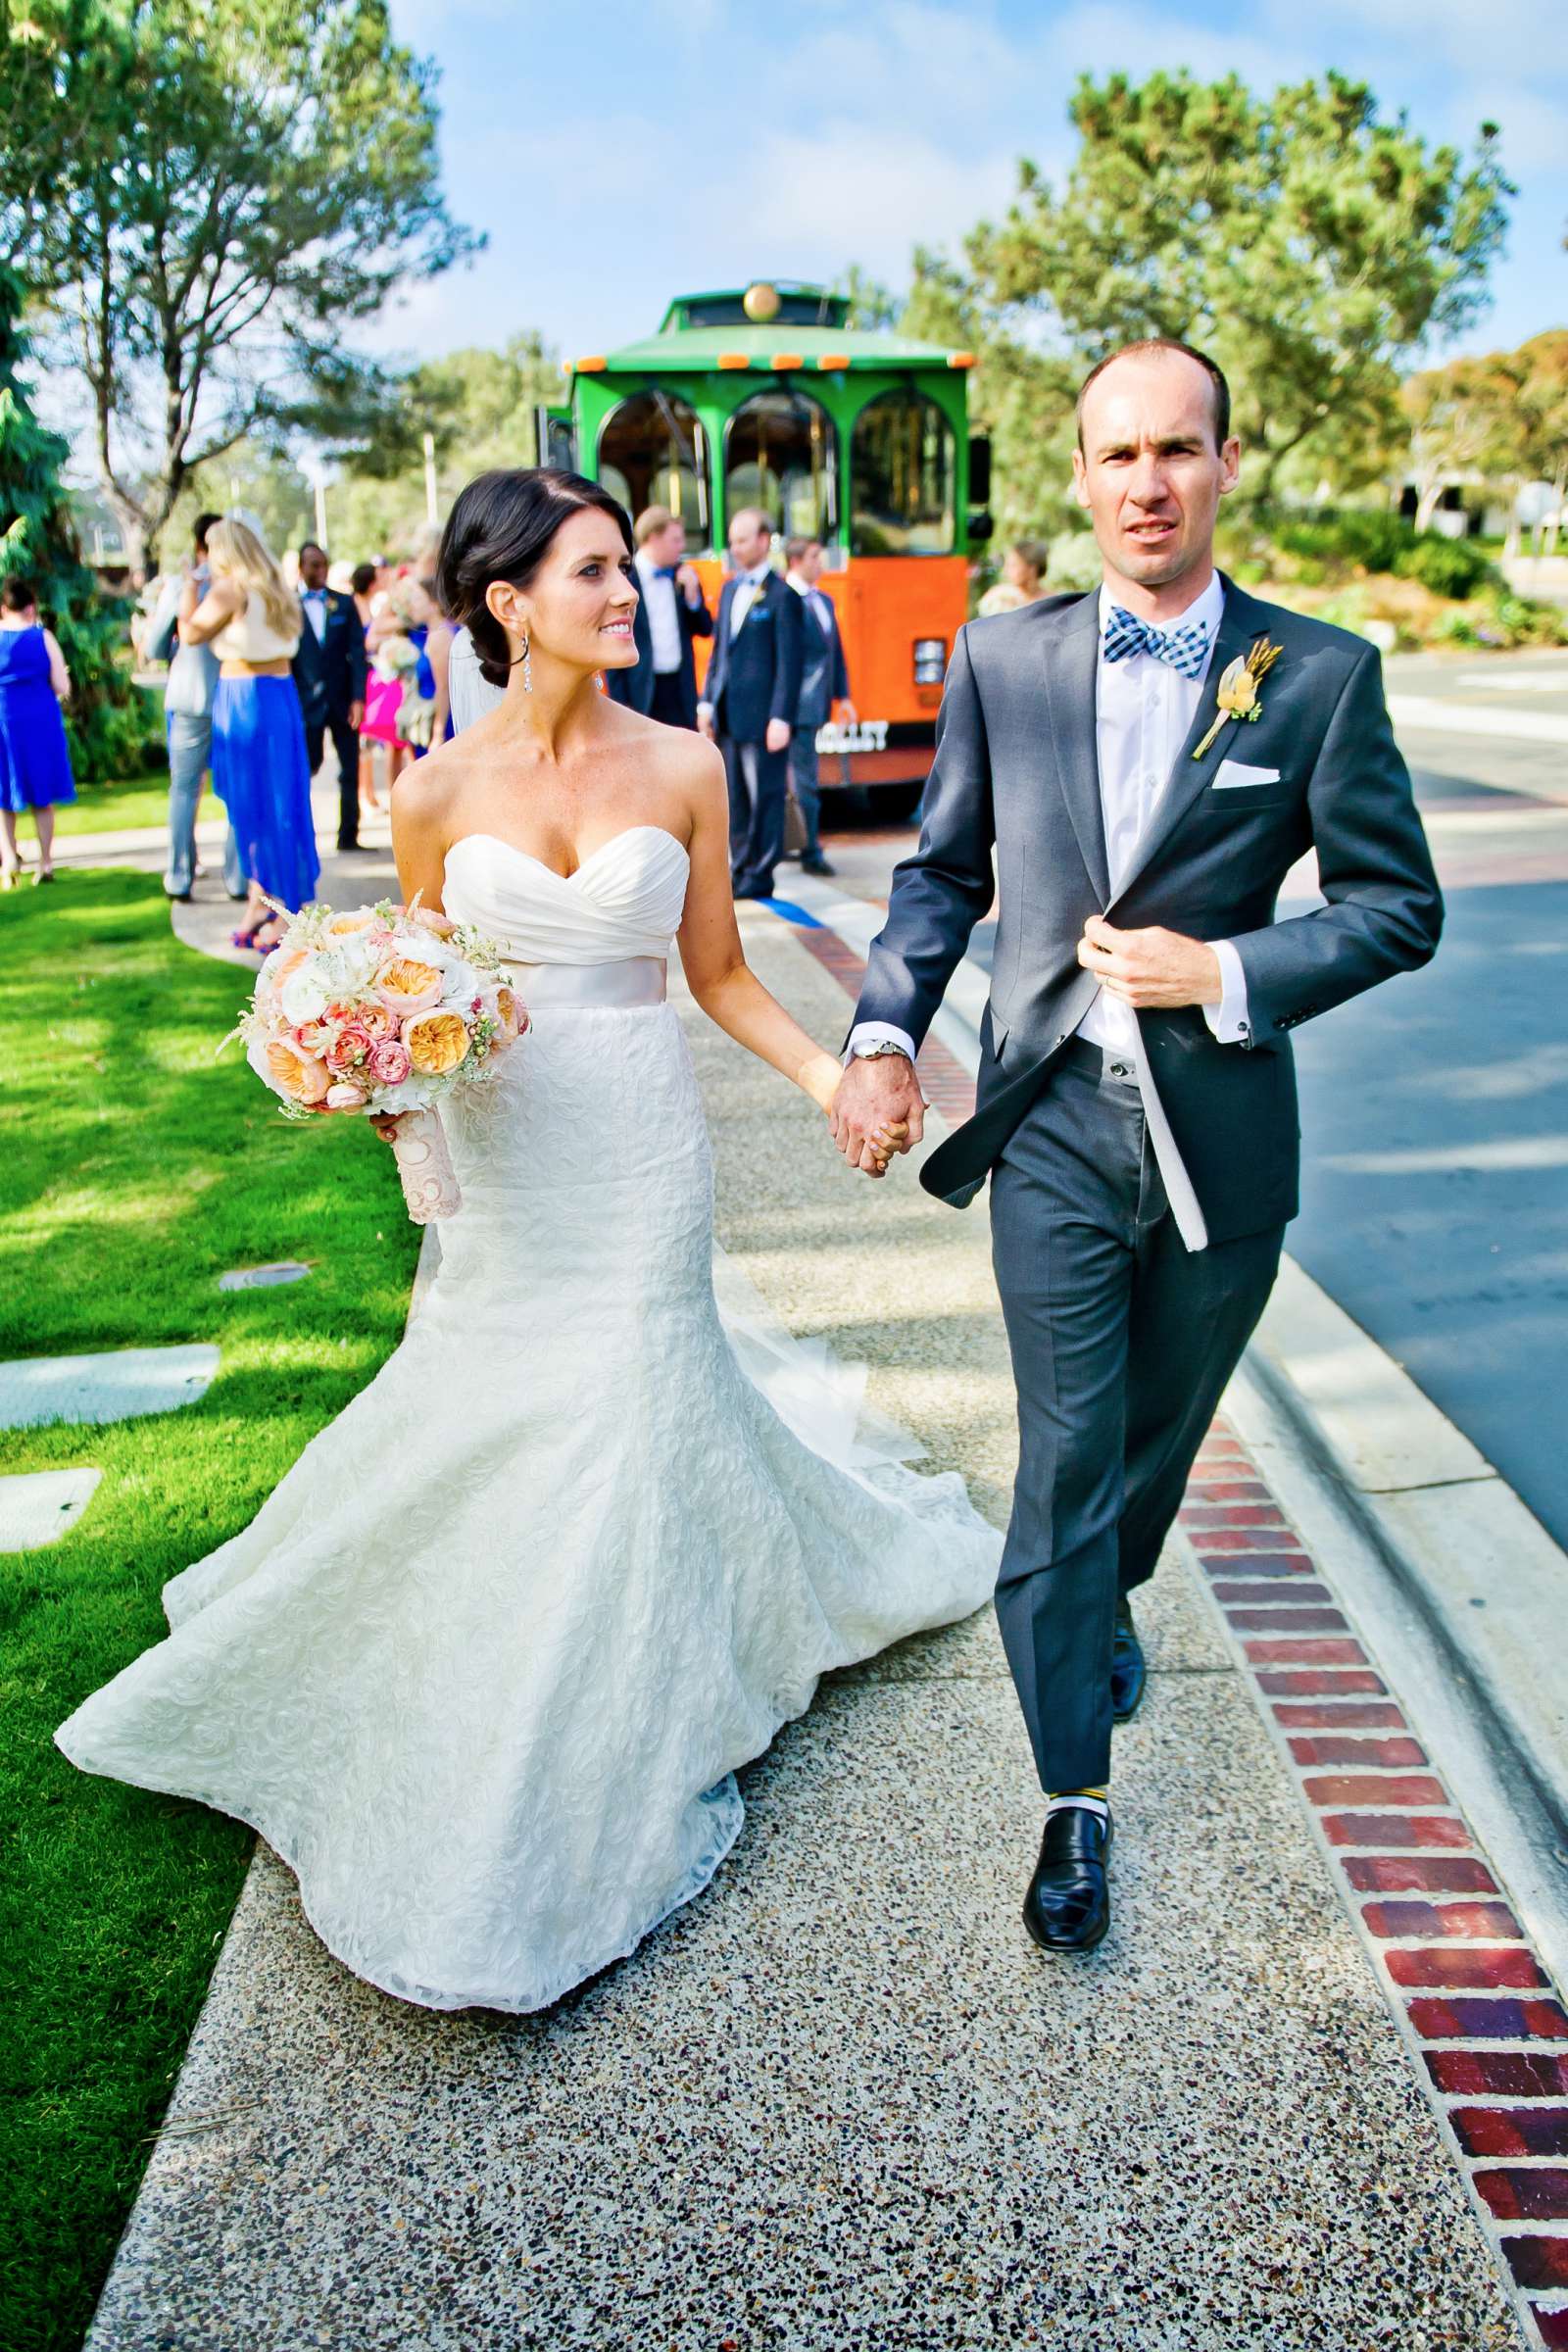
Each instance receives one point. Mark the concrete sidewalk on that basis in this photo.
(840, 2100)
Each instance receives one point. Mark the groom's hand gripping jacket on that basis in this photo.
(1016, 772)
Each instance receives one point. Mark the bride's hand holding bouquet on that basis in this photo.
(380, 1012)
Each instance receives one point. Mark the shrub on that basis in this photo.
(1447, 566)
(1373, 541)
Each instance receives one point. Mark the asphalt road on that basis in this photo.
(1435, 1111)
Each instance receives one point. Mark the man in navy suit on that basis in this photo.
(824, 681)
(750, 699)
(329, 671)
(670, 616)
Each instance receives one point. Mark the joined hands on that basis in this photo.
(877, 1111)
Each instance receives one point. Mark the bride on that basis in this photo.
(487, 1697)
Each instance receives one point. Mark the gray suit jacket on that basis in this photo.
(1018, 769)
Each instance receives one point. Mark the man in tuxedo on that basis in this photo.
(330, 672)
(824, 681)
(749, 697)
(1147, 762)
(670, 616)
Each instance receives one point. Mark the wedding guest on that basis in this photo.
(329, 671)
(188, 692)
(363, 587)
(669, 618)
(749, 697)
(261, 768)
(35, 756)
(824, 681)
(361, 584)
(1023, 581)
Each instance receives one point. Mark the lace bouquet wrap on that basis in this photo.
(382, 1011)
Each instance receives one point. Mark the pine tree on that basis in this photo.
(111, 723)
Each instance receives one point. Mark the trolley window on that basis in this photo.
(903, 479)
(781, 454)
(652, 453)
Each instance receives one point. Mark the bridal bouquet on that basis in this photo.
(381, 1013)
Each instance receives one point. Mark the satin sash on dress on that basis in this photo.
(634, 980)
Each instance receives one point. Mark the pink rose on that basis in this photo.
(345, 1098)
(378, 1021)
(352, 1050)
(312, 1037)
(390, 1061)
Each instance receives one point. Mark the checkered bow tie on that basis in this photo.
(1184, 650)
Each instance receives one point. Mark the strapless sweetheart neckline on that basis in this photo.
(625, 834)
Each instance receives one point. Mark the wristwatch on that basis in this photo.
(875, 1051)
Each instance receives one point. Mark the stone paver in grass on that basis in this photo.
(263, 1278)
(116, 1387)
(38, 1507)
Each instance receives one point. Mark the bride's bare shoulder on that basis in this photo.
(426, 789)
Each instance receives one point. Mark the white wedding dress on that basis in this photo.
(482, 1667)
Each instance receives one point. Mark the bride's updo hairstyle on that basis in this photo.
(500, 528)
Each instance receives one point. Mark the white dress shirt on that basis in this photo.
(314, 602)
(664, 621)
(1143, 713)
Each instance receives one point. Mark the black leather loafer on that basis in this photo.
(1067, 1908)
(1129, 1670)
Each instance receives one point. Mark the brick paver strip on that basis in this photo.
(1537, 2194)
(1467, 1967)
(1511, 2130)
(1338, 1714)
(1509, 2074)
(1310, 1681)
(1395, 1829)
(1426, 1874)
(1436, 1923)
(1540, 2262)
(1487, 2020)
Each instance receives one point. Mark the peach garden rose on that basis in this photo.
(406, 986)
(436, 1042)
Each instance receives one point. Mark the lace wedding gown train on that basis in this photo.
(482, 1667)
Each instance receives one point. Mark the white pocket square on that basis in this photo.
(1234, 774)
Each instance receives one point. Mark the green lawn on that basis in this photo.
(136, 1170)
(130, 800)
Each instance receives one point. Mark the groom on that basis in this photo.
(1148, 761)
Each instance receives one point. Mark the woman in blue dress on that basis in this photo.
(34, 761)
(251, 618)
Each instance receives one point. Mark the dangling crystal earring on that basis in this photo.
(527, 665)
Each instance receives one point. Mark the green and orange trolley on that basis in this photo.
(764, 397)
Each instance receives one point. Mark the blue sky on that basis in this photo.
(619, 156)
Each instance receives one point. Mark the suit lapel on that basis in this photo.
(1241, 623)
(1072, 668)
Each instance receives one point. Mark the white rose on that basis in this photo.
(459, 984)
(302, 997)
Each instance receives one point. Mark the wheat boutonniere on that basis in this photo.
(1238, 694)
